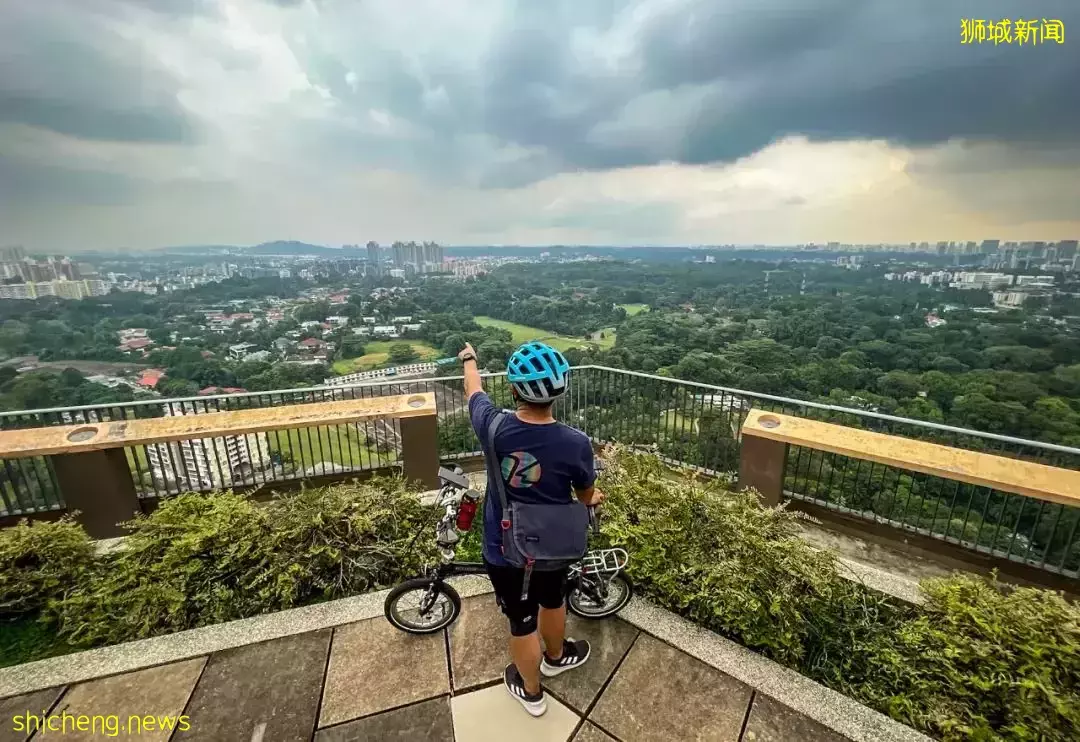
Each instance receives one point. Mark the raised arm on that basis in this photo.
(473, 383)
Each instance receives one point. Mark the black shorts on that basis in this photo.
(545, 589)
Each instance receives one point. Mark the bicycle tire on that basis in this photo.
(395, 617)
(627, 592)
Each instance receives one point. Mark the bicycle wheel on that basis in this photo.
(594, 603)
(422, 606)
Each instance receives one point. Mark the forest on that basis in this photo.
(815, 333)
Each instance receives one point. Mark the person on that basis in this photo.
(541, 460)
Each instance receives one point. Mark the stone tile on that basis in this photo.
(609, 640)
(826, 706)
(662, 693)
(155, 691)
(772, 721)
(35, 704)
(589, 732)
(375, 667)
(491, 715)
(479, 643)
(267, 691)
(430, 721)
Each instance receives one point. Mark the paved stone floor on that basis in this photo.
(368, 681)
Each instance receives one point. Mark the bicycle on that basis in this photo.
(596, 586)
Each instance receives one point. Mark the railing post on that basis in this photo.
(420, 449)
(761, 466)
(99, 486)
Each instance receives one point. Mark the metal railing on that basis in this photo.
(691, 424)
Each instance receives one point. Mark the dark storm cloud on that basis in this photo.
(837, 69)
(69, 74)
(24, 184)
(89, 121)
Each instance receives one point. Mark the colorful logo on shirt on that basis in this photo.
(521, 469)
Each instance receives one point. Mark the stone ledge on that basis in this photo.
(827, 707)
(881, 580)
(158, 650)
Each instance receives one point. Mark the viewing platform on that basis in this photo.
(966, 498)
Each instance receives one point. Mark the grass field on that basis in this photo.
(377, 355)
(341, 444)
(632, 309)
(524, 333)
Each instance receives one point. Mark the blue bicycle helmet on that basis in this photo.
(538, 372)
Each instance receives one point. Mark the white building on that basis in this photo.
(1010, 298)
(1046, 282)
(984, 281)
(207, 463)
(397, 372)
(240, 350)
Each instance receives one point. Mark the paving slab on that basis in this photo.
(609, 639)
(479, 643)
(155, 692)
(772, 721)
(430, 721)
(36, 704)
(589, 732)
(491, 715)
(828, 707)
(183, 645)
(661, 693)
(375, 667)
(267, 692)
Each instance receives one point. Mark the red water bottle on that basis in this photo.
(466, 512)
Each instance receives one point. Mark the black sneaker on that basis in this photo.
(574, 654)
(534, 703)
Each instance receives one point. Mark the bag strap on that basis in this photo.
(493, 460)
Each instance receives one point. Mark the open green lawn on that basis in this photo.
(674, 422)
(305, 447)
(607, 342)
(377, 355)
(524, 333)
(341, 444)
(632, 309)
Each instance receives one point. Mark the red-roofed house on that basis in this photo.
(135, 344)
(150, 378)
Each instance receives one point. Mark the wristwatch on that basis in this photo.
(468, 357)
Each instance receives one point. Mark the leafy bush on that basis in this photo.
(982, 661)
(978, 661)
(200, 560)
(39, 562)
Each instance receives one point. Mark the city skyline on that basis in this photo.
(654, 122)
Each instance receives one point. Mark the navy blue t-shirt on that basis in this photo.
(542, 462)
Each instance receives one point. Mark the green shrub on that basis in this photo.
(978, 661)
(200, 560)
(982, 661)
(726, 563)
(39, 562)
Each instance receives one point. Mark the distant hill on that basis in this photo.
(290, 247)
(278, 247)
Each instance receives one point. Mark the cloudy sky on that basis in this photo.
(143, 123)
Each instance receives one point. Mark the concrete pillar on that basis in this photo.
(98, 485)
(420, 450)
(761, 466)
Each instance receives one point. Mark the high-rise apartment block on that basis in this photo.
(207, 462)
